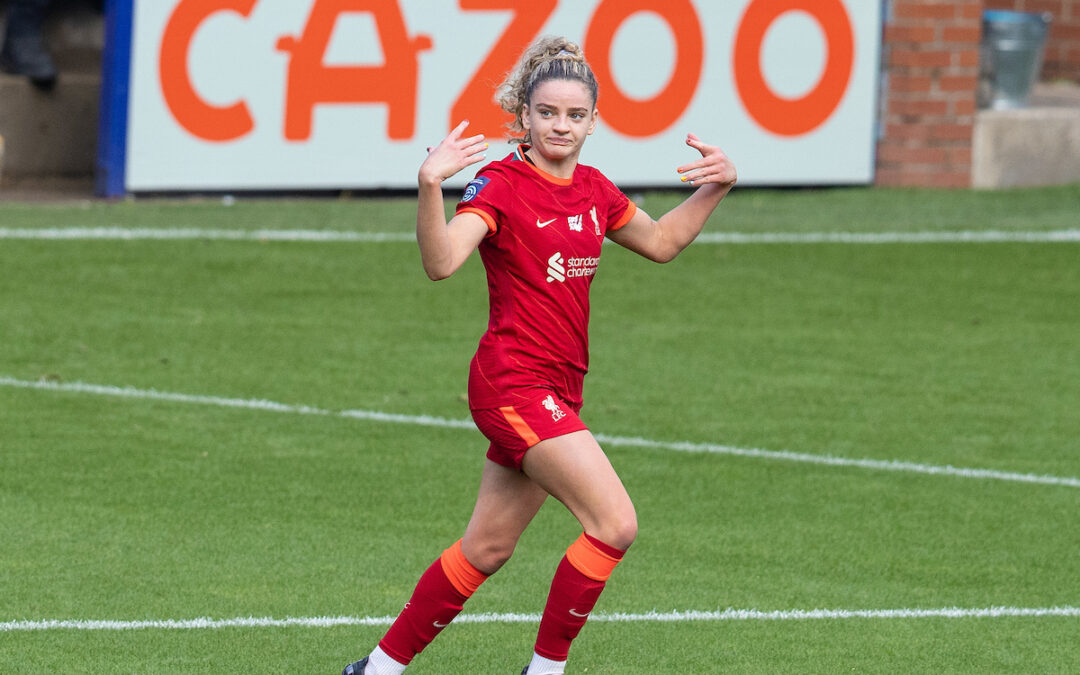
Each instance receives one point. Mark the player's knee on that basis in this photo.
(489, 556)
(626, 532)
(620, 530)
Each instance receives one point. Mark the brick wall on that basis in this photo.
(1062, 60)
(931, 61)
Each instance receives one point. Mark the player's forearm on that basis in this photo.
(681, 225)
(436, 252)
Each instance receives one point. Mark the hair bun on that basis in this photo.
(547, 58)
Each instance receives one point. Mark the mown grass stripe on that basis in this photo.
(623, 441)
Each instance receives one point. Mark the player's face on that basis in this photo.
(560, 115)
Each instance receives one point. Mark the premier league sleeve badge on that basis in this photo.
(474, 187)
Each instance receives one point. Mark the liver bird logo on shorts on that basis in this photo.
(556, 412)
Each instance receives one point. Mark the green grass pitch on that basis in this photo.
(137, 504)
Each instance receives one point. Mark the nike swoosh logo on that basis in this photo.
(578, 614)
(545, 223)
(439, 625)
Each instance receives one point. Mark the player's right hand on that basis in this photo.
(453, 154)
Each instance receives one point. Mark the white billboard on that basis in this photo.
(331, 94)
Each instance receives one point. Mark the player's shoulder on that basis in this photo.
(493, 177)
(596, 180)
(591, 174)
(511, 164)
(506, 170)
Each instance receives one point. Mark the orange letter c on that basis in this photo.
(206, 121)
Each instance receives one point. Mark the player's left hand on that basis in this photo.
(713, 167)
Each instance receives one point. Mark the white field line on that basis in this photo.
(511, 618)
(299, 235)
(623, 441)
(950, 237)
(145, 233)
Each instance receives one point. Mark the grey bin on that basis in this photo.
(1010, 57)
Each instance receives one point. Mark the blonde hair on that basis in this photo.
(550, 58)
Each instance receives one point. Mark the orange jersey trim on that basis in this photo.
(590, 560)
(631, 209)
(461, 573)
(483, 214)
(520, 425)
(551, 178)
(519, 153)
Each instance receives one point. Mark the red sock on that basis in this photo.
(577, 585)
(439, 596)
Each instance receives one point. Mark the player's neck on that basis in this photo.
(563, 168)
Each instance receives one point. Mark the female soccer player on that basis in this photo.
(539, 219)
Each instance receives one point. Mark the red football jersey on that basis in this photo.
(541, 255)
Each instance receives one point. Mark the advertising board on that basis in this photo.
(348, 94)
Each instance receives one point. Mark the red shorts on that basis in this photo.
(514, 429)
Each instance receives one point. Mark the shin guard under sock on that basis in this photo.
(577, 585)
(439, 596)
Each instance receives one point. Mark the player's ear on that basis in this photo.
(593, 121)
(525, 116)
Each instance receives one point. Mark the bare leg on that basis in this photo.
(574, 469)
(507, 502)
